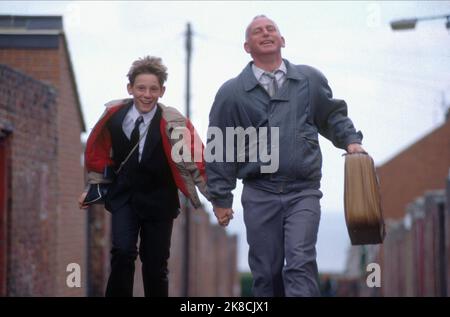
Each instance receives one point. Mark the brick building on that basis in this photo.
(422, 166)
(41, 175)
(42, 114)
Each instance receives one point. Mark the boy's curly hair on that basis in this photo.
(148, 65)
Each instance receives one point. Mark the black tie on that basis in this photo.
(135, 134)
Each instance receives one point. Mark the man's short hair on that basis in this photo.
(259, 16)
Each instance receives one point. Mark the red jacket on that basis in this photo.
(187, 174)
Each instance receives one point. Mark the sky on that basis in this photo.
(396, 84)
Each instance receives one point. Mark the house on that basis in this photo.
(43, 231)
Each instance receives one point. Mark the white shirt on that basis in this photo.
(280, 75)
(128, 125)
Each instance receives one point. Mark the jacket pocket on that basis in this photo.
(308, 156)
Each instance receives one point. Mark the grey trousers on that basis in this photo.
(282, 233)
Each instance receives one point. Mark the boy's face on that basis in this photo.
(146, 91)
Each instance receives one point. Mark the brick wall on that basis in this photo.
(447, 232)
(176, 258)
(415, 254)
(29, 106)
(213, 258)
(99, 244)
(4, 181)
(52, 66)
(72, 239)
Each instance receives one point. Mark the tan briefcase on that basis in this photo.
(362, 202)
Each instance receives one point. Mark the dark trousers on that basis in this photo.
(154, 251)
(282, 233)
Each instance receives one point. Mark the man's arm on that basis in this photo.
(221, 175)
(330, 116)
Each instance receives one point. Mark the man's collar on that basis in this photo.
(259, 71)
(251, 82)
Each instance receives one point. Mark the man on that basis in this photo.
(143, 198)
(281, 208)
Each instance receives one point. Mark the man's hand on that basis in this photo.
(223, 215)
(355, 148)
(81, 199)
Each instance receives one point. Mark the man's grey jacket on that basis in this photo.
(302, 108)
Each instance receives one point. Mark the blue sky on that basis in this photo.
(395, 83)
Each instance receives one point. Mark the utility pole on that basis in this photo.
(187, 220)
(188, 68)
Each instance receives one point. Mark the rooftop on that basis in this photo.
(18, 31)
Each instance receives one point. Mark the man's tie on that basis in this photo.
(273, 84)
(135, 134)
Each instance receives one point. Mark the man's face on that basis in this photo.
(146, 91)
(263, 38)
